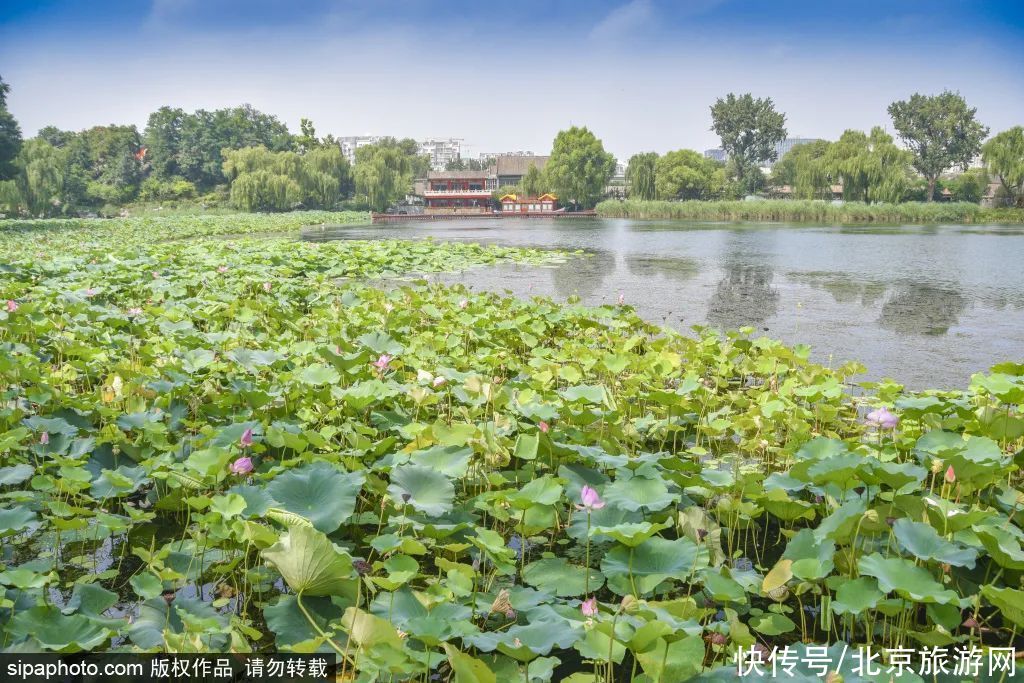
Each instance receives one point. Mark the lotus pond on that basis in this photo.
(260, 444)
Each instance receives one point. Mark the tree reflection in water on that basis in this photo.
(915, 308)
(745, 296)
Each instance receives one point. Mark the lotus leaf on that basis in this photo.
(318, 492)
(310, 564)
(423, 488)
(905, 578)
(558, 577)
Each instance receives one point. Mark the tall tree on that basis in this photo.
(384, 171)
(749, 129)
(534, 183)
(40, 179)
(803, 170)
(579, 169)
(941, 131)
(1004, 156)
(262, 180)
(871, 167)
(640, 176)
(10, 136)
(685, 174)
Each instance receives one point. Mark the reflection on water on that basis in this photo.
(915, 308)
(745, 296)
(926, 305)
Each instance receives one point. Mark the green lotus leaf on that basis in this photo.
(1003, 546)
(25, 579)
(291, 626)
(723, 588)
(468, 669)
(54, 630)
(526, 446)
(631, 493)
(380, 342)
(857, 596)
(423, 488)
(318, 492)
(772, 624)
(811, 559)
(16, 519)
(905, 578)
(310, 564)
(541, 491)
(319, 374)
(451, 461)
(146, 585)
(638, 571)
(594, 394)
(600, 643)
(629, 534)
(9, 476)
(558, 577)
(1009, 602)
(923, 542)
(780, 504)
(679, 660)
(90, 599)
(158, 622)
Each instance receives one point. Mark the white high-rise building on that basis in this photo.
(351, 143)
(441, 151)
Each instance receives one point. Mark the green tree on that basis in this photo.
(749, 129)
(579, 169)
(10, 136)
(1004, 156)
(263, 180)
(969, 186)
(640, 176)
(941, 131)
(39, 180)
(804, 171)
(684, 174)
(385, 170)
(534, 183)
(871, 167)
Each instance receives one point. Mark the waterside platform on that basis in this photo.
(402, 218)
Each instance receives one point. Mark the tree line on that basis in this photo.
(939, 133)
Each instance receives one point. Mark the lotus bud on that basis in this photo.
(970, 622)
(950, 475)
(242, 466)
(44, 438)
(589, 607)
(834, 677)
(12, 306)
(779, 594)
(936, 466)
(718, 639)
(630, 605)
(543, 426)
(246, 439)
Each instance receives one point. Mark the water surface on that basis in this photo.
(925, 305)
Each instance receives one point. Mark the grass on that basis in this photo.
(810, 211)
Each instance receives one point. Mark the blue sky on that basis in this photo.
(640, 73)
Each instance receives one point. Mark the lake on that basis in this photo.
(925, 305)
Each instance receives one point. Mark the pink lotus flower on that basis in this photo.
(134, 311)
(156, 275)
(90, 292)
(44, 438)
(382, 362)
(438, 381)
(950, 475)
(242, 466)
(544, 426)
(222, 269)
(266, 286)
(246, 439)
(463, 304)
(622, 298)
(882, 418)
(12, 306)
(589, 607)
(589, 499)
(388, 307)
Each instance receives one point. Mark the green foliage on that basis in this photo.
(191, 145)
(640, 176)
(969, 186)
(749, 129)
(804, 170)
(686, 174)
(38, 188)
(819, 212)
(385, 170)
(10, 136)
(941, 132)
(871, 167)
(262, 180)
(153, 189)
(579, 169)
(1004, 156)
(534, 183)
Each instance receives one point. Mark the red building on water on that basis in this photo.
(460, 191)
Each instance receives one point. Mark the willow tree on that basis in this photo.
(640, 176)
(534, 183)
(1004, 156)
(871, 167)
(276, 181)
(803, 169)
(685, 174)
(384, 171)
(579, 168)
(940, 130)
(39, 181)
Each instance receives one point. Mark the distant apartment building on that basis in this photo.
(441, 151)
(495, 155)
(716, 154)
(351, 143)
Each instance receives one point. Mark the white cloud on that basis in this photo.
(624, 20)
